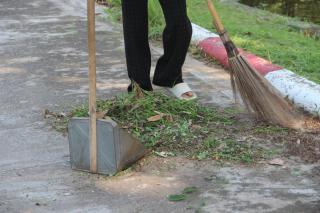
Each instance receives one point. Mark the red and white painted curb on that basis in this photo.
(302, 92)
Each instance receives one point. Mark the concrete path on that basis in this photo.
(43, 65)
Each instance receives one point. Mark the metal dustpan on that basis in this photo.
(99, 145)
(116, 148)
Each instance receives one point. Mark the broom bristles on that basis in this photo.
(260, 97)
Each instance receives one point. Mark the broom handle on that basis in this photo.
(216, 19)
(92, 85)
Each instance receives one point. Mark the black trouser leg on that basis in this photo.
(176, 40)
(135, 28)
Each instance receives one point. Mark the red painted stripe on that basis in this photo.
(214, 48)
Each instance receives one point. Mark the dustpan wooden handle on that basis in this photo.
(216, 19)
(92, 85)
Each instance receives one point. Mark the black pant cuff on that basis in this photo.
(166, 83)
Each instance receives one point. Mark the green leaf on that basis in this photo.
(189, 190)
(177, 197)
(202, 155)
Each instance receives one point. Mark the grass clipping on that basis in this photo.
(172, 127)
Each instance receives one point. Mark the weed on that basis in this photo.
(211, 142)
(232, 150)
(184, 194)
(156, 19)
(270, 129)
(177, 197)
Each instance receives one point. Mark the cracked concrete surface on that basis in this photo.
(43, 65)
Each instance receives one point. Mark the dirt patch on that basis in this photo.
(103, 2)
(306, 146)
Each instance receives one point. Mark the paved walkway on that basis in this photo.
(43, 65)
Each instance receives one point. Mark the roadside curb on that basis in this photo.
(304, 93)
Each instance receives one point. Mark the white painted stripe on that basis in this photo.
(200, 33)
(302, 92)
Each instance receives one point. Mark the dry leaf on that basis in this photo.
(164, 154)
(277, 162)
(45, 112)
(155, 118)
(196, 126)
(49, 114)
(100, 115)
(61, 115)
(168, 118)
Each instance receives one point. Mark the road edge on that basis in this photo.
(302, 92)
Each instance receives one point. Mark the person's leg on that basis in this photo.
(176, 40)
(135, 29)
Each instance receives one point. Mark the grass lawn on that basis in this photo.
(265, 34)
(261, 32)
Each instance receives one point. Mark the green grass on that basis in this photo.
(264, 34)
(156, 19)
(171, 127)
(186, 192)
(270, 129)
(176, 118)
(177, 197)
(231, 150)
(180, 128)
(260, 32)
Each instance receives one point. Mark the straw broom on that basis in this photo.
(259, 96)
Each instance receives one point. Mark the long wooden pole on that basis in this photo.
(216, 19)
(92, 85)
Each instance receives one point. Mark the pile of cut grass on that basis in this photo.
(175, 120)
(175, 127)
